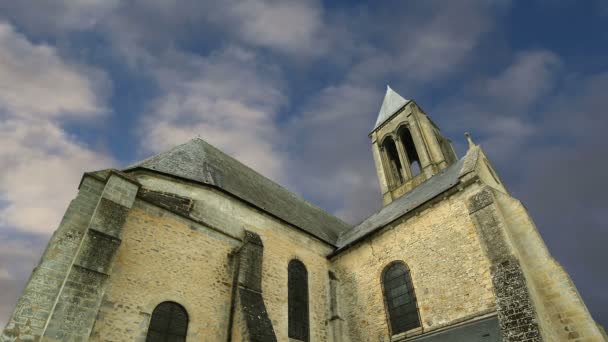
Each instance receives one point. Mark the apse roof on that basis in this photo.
(199, 161)
(390, 105)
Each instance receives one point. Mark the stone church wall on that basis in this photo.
(165, 256)
(450, 273)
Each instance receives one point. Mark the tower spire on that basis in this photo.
(392, 103)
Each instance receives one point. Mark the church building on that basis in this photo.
(192, 245)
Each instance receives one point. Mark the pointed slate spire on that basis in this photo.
(391, 104)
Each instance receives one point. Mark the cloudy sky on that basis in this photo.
(292, 88)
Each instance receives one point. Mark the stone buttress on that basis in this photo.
(536, 299)
(518, 321)
(251, 322)
(62, 297)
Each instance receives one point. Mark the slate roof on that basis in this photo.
(426, 191)
(390, 105)
(199, 161)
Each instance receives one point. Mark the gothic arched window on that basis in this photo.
(410, 150)
(400, 299)
(297, 300)
(393, 160)
(169, 322)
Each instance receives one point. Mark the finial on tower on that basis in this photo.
(469, 139)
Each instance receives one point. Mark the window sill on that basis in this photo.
(406, 334)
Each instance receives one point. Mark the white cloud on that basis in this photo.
(496, 109)
(430, 40)
(41, 164)
(528, 78)
(229, 99)
(18, 256)
(444, 39)
(58, 16)
(40, 172)
(4, 275)
(36, 82)
(291, 26)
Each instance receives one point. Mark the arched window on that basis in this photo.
(400, 299)
(394, 163)
(169, 322)
(297, 301)
(410, 150)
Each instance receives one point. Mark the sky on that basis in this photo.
(292, 88)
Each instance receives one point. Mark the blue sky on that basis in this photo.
(292, 88)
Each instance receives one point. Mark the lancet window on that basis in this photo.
(297, 301)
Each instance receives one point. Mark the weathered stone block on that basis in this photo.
(71, 320)
(97, 252)
(169, 201)
(259, 326)
(516, 312)
(109, 217)
(250, 258)
(120, 190)
(480, 200)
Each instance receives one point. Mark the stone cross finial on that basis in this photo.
(469, 139)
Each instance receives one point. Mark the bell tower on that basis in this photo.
(408, 147)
